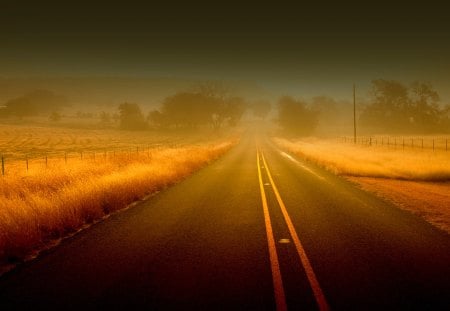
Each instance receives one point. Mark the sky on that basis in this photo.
(292, 47)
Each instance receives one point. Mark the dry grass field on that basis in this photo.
(417, 180)
(36, 141)
(57, 196)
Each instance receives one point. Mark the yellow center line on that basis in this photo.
(314, 283)
(280, 299)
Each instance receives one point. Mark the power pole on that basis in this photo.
(354, 113)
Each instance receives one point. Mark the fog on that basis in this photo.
(301, 62)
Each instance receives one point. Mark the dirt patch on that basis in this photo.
(429, 200)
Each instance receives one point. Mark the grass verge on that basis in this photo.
(47, 203)
(414, 180)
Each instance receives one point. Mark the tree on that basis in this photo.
(20, 107)
(396, 108)
(213, 89)
(216, 94)
(131, 117)
(234, 109)
(224, 107)
(207, 105)
(326, 108)
(186, 109)
(425, 112)
(156, 119)
(390, 106)
(295, 117)
(34, 103)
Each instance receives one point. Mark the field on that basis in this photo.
(413, 178)
(17, 141)
(58, 180)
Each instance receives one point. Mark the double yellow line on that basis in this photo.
(280, 298)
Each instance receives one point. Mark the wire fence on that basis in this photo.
(14, 163)
(403, 142)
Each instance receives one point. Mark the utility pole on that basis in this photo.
(354, 113)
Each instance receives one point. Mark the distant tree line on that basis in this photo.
(396, 107)
(209, 104)
(38, 102)
(393, 107)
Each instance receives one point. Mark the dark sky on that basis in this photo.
(301, 48)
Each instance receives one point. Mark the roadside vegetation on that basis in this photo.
(372, 161)
(64, 167)
(402, 152)
(417, 180)
(57, 195)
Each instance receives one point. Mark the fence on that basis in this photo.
(44, 158)
(426, 143)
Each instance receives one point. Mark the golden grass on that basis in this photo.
(47, 203)
(371, 161)
(414, 179)
(36, 141)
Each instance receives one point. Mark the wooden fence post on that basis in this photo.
(26, 160)
(3, 166)
(65, 157)
(46, 161)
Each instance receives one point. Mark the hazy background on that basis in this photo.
(282, 48)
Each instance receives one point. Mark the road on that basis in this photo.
(256, 230)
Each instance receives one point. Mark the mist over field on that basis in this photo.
(386, 107)
(303, 62)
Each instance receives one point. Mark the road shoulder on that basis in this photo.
(429, 200)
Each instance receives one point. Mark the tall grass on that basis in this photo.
(47, 203)
(367, 161)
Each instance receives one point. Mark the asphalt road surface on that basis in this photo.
(256, 230)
